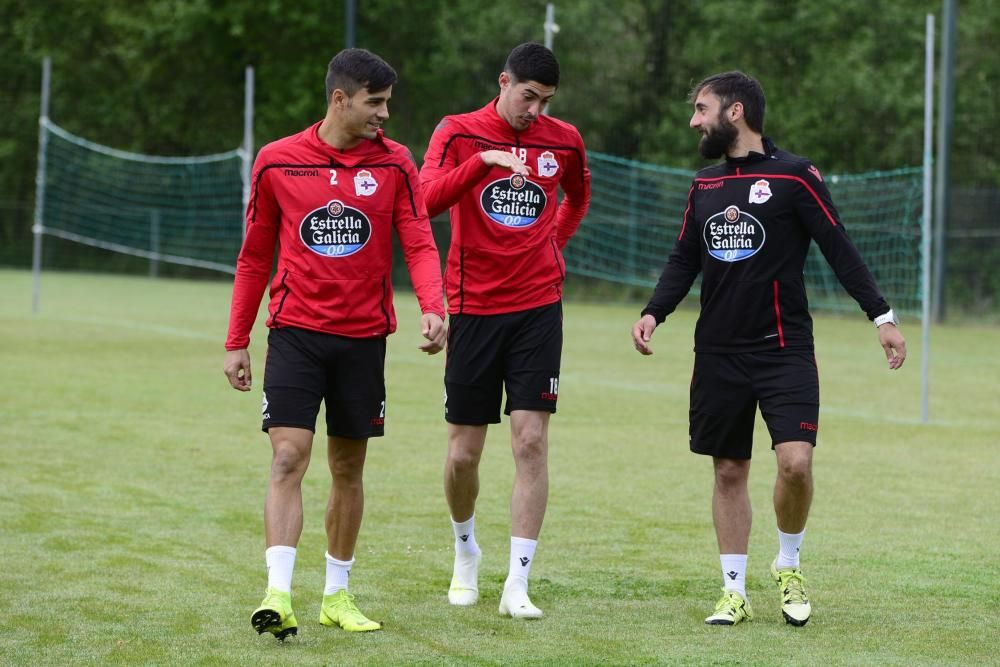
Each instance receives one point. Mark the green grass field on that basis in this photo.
(132, 482)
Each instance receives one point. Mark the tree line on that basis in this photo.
(844, 80)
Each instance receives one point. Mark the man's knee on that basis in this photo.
(530, 441)
(731, 473)
(794, 462)
(465, 447)
(463, 458)
(288, 460)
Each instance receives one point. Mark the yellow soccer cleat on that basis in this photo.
(339, 609)
(795, 605)
(275, 615)
(731, 609)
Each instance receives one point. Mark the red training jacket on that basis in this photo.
(330, 214)
(507, 231)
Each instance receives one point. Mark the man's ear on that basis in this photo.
(504, 80)
(735, 111)
(338, 98)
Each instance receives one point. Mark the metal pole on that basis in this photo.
(925, 249)
(247, 148)
(349, 18)
(39, 223)
(551, 27)
(154, 243)
(942, 201)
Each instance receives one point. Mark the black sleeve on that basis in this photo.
(683, 266)
(816, 210)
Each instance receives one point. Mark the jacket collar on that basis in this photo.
(754, 156)
(367, 149)
(498, 122)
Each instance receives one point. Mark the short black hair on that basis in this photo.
(736, 87)
(533, 62)
(354, 69)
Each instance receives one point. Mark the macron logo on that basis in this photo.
(524, 561)
(464, 538)
(732, 575)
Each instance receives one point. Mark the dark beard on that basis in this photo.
(717, 141)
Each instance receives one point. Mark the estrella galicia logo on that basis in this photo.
(335, 230)
(733, 235)
(513, 202)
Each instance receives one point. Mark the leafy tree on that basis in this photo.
(844, 80)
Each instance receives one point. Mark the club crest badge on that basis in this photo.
(364, 184)
(547, 164)
(760, 192)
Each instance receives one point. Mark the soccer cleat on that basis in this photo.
(339, 609)
(515, 603)
(464, 590)
(731, 609)
(275, 615)
(795, 605)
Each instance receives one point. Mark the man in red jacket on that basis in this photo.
(328, 199)
(499, 170)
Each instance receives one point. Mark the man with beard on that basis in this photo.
(747, 227)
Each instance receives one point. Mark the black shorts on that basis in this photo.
(725, 392)
(305, 367)
(519, 351)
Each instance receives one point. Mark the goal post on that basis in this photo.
(185, 211)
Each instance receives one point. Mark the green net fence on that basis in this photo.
(178, 210)
(188, 211)
(635, 217)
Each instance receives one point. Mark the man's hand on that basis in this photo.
(237, 369)
(892, 341)
(642, 331)
(434, 330)
(505, 160)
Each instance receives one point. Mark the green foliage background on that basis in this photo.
(844, 79)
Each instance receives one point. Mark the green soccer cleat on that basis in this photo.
(339, 609)
(731, 609)
(795, 605)
(275, 615)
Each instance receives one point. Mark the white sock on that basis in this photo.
(280, 564)
(465, 537)
(522, 554)
(337, 573)
(788, 549)
(734, 572)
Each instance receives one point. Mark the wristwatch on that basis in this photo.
(888, 317)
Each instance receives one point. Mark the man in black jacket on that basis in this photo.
(747, 228)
